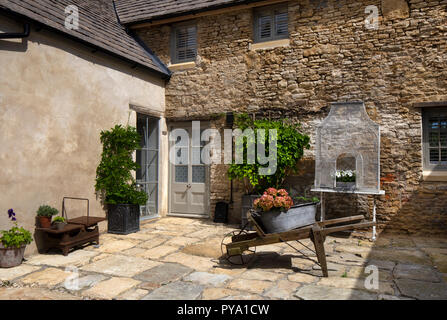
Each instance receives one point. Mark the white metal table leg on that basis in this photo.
(322, 216)
(374, 235)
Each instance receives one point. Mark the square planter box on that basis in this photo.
(123, 218)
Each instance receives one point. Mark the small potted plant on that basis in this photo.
(59, 223)
(277, 212)
(13, 243)
(345, 179)
(44, 214)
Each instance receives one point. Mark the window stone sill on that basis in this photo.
(439, 176)
(182, 66)
(269, 44)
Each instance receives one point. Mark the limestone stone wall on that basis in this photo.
(55, 98)
(331, 56)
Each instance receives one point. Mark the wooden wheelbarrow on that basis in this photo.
(241, 245)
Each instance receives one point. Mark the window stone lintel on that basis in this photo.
(269, 44)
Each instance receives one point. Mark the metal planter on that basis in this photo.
(123, 218)
(275, 221)
(11, 257)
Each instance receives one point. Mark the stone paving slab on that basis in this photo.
(76, 258)
(176, 291)
(194, 262)
(163, 274)
(111, 288)
(121, 266)
(314, 292)
(34, 294)
(416, 272)
(252, 286)
(422, 290)
(47, 277)
(84, 282)
(7, 274)
(208, 279)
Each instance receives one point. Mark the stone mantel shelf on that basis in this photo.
(327, 190)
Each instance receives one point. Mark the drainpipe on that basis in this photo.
(25, 33)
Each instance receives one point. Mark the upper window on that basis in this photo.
(183, 43)
(271, 23)
(435, 138)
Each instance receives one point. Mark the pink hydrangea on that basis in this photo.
(273, 198)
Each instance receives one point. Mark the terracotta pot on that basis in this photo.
(11, 257)
(44, 222)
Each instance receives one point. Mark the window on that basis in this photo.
(183, 43)
(271, 23)
(435, 138)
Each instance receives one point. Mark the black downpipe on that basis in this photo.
(25, 33)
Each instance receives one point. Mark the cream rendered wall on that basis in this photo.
(55, 98)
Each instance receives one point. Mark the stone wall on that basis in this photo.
(55, 98)
(331, 57)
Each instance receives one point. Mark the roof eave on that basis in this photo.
(163, 75)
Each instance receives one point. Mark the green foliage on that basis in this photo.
(114, 173)
(16, 237)
(59, 219)
(46, 211)
(290, 148)
(306, 200)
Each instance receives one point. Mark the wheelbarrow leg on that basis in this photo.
(318, 241)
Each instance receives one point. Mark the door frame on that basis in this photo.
(158, 118)
(188, 124)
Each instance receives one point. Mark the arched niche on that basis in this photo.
(348, 132)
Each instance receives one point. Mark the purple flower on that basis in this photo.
(13, 219)
(11, 213)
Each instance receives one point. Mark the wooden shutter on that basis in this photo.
(271, 23)
(281, 24)
(185, 46)
(265, 27)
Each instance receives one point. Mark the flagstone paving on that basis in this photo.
(180, 258)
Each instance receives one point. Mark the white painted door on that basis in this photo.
(188, 177)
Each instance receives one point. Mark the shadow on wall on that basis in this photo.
(17, 45)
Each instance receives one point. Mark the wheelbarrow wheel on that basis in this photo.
(239, 259)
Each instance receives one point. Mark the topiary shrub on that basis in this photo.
(114, 174)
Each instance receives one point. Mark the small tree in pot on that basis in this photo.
(290, 145)
(114, 179)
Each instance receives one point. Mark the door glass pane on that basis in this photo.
(198, 174)
(434, 139)
(443, 139)
(181, 174)
(434, 156)
(443, 156)
(147, 158)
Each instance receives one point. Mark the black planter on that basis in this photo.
(123, 218)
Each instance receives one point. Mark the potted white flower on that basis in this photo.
(13, 243)
(345, 179)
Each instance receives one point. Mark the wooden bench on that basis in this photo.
(77, 232)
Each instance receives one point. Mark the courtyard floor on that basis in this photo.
(178, 258)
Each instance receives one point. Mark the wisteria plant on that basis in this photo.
(16, 236)
(273, 199)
